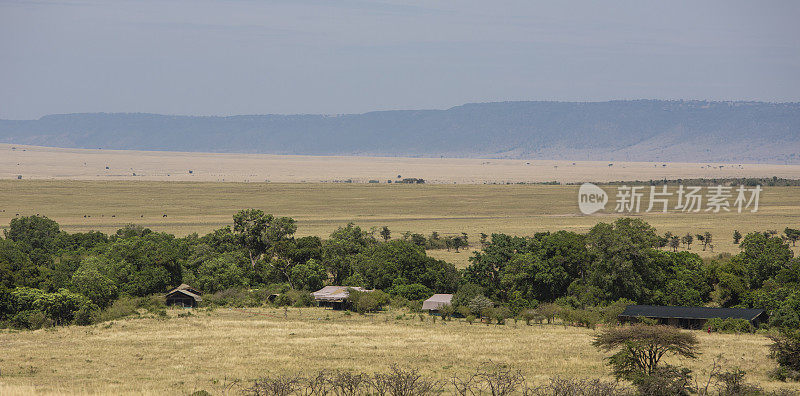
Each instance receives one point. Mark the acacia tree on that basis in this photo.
(687, 240)
(674, 243)
(640, 348)
(386, 234)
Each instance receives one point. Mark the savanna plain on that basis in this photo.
(216, 349)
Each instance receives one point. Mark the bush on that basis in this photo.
(27, 306)
(32, 319)
(548, 311)
(785, 349)
(665, 381)
(128, 306)
(499, 314)
(447, 311)
(87, 315)
(731, 325)
(579, 317)
(240, 298)
(732, 383)
(479, 305)
(530, 315)
(612, 311)
(788, 313)
(367, 301)
(294, 298)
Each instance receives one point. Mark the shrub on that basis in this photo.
(612, 311)
(466, 293)
(447, 311)
(127, 306)
(490, 378)
(240, 298)
(732, 383)
(87, 314)
(294, 298)
(548, 311)
(731, 325)
(26, 304)
(31, 319)
(479, 305)
(665, 381)
(579, 317)
(367, 301)
(499, 314)
(530, 315)
(788, 313)
(308, 276)
(785, 349)
(400, 382)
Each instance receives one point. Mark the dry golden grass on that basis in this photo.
(34, 162)
(320, 208)
(210, 349)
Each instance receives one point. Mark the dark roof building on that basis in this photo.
(690, 317)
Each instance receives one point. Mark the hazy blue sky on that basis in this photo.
(209, 57)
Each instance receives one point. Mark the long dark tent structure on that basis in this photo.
(690, 317)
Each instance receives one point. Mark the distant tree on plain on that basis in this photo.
(386, 234)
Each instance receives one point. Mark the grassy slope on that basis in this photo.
(209, 349)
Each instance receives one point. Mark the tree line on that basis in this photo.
(611, 265)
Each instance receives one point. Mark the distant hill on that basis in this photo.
(641, 130)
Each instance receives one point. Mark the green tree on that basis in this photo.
(250, 227)
(737, 236)
(340, 250)
(89, 282)
(222, 272)
(386, 234)
(674, 243)
(310, 275)
(37, 232)
(792, 234)
(687, 240)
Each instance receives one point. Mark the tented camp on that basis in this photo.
(436, 302)
(690, 317)
(184, 296)
(334, 296)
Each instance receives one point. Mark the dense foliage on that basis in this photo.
(581, 278)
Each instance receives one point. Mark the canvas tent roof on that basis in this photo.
(437, 301)
(186, 293)
(184, 286)
(655, 311)
(334, 293)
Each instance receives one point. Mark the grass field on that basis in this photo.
(210, 349)
(320, 208)
(46, 163)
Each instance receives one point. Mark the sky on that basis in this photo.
(213, 57)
